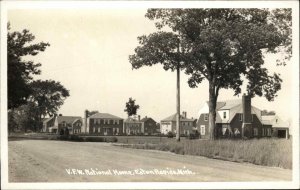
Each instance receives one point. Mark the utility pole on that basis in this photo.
(178, 104)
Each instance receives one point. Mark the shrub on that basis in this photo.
(170, 134)
(75, 138)
(192, 136)
(94, 139)
(112, 139)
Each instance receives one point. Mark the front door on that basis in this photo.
(106, 131)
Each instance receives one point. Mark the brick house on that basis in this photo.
(234, 119)
(104, 124)
(187, 126)
(133, 126)
(72, 123)
(149, 125)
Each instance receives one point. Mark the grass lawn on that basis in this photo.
(267, 152)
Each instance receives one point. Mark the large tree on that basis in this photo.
(19, 70)
(219, 45)
(131, 108)
(92, 112)
(48, 96)
(23, 118)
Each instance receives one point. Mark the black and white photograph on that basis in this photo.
(149, 94)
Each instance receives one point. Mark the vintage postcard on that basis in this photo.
(149, 95)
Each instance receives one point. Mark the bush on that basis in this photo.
(192, 136)
(170, 134)
(100, 139)
(75, 138)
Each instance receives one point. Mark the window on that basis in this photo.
(205, 117)
(94, 129)
(276, 120)
(268, 131)
(99, 130)
(95, 121)
(263, 132)
(241, 116)
(224, 115)
(255, 132)
(104, 121)
(202, 129)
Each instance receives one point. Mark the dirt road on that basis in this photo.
(58, 161)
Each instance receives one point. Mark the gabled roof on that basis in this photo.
(219, 104)
(104, 116)
(274, 120)
(234, 106)
(132, 120)
(147, 119)
(173, 118)
(79, 119)
(67, 119)
(46, 120)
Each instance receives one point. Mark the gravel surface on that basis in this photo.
(61, 161)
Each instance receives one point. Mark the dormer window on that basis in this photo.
(205, 117)
(241, 117)
(224, 115)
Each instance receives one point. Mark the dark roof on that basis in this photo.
(67, 119)
(147, 119)
(46, 120)
(104, 116)
(173, 118)
(132, 120)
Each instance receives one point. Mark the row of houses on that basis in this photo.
(234, 119)
(100, 124)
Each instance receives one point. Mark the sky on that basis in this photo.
(89, 56)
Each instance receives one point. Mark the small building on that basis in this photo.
(71, 123)
(149, 126)
(187, 125)
(280, 128)
(133, 126)
(104, 124)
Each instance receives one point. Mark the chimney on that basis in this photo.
(146, 117)
(139, 118)
(184, 114)
(86, 112)
(247, 117)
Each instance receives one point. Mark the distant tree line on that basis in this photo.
(29, 100)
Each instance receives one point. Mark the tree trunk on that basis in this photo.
(178, 106)
(212, 111)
